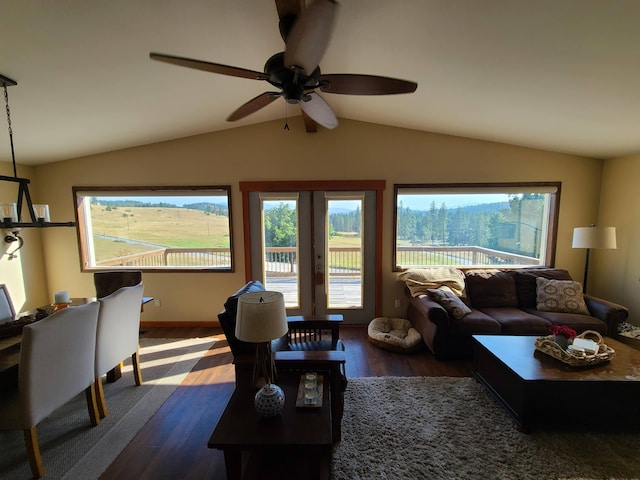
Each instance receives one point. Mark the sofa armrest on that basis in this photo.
(610, 313)
(424, 307)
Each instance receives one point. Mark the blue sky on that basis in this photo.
(423, 202)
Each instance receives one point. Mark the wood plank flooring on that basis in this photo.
(173, 444)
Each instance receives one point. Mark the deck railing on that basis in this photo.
(465, 255)
(343, 261)
(174, 257)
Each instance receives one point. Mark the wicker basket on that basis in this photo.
(577, 359)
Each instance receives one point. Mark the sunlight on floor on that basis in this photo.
(183, 354)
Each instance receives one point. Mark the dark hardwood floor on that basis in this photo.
(173, 444)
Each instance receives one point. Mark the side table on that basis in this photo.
(295, 444)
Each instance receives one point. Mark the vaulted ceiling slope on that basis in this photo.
(560, 75)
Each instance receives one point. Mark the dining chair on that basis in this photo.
(108, 282)
(117, 336)
(57, 356)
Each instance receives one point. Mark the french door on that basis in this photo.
(320, 248)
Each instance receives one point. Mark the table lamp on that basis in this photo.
(593, 237)
(262, 317)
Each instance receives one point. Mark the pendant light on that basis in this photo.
(11, 213)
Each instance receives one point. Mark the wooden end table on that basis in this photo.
(295, 444)
(537, 389)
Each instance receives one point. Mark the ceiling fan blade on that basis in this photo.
(309, 124)
(319, 111)
(288, 12)
(352, 84)
(209, 67)
(253, 105)
(310, 35)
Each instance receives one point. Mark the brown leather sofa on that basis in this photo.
(503, 302)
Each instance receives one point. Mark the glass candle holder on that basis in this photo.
(9, 212)
(41, 212)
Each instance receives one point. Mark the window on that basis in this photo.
(471, 225)
(154, 228)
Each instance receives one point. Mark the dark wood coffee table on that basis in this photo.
(296, 444)
(537, 389)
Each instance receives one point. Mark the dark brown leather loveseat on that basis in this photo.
(503, 302)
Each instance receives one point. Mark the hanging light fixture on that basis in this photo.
(11, 213)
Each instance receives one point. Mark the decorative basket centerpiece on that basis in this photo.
(576, 358)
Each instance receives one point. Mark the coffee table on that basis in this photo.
(295, 444)
(537, 389)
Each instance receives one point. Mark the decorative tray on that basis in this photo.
(14, 327)
(577, 359)
(300, 403)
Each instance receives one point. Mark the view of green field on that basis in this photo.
(115, 227)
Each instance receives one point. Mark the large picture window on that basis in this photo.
(471, 225)
(154, 228)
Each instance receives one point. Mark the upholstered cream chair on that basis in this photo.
(117, 336)
(56, 363)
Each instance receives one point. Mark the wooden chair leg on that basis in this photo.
(33, 452)
(137, 373)
(115, 373)
(92, 404)
(102, 403)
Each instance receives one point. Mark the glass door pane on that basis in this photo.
(280, 256)
(344, 253)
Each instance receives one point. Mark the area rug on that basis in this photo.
(72, 449)
(451, 428)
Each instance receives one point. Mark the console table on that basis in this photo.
(296, 444)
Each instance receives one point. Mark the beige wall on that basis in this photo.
(616, 273)
(353, 151)
(24, 275)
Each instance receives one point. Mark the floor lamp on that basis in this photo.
(593, 237)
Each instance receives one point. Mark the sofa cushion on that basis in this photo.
(577, 321)
(526, 287)
(515, 321)
(449, 301)
(474, 323)
(491, 288)
(560, 296)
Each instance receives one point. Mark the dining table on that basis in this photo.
(11, 337)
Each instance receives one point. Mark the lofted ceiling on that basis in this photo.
(561, 75)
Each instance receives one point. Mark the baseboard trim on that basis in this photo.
(208, 324)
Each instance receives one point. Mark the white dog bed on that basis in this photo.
(395, 334)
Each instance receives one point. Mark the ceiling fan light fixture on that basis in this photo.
(296, 72)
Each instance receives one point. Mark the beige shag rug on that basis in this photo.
(405, 428)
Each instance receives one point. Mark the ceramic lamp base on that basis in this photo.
(269, 400)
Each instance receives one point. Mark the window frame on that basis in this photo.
(552, 232)
(79, 192)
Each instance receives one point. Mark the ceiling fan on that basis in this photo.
(295, 72)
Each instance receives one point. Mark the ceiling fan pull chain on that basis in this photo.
(286, 117)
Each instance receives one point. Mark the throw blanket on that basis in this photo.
(419, 280)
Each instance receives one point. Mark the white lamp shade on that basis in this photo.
(261, 317)
(594, 237)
